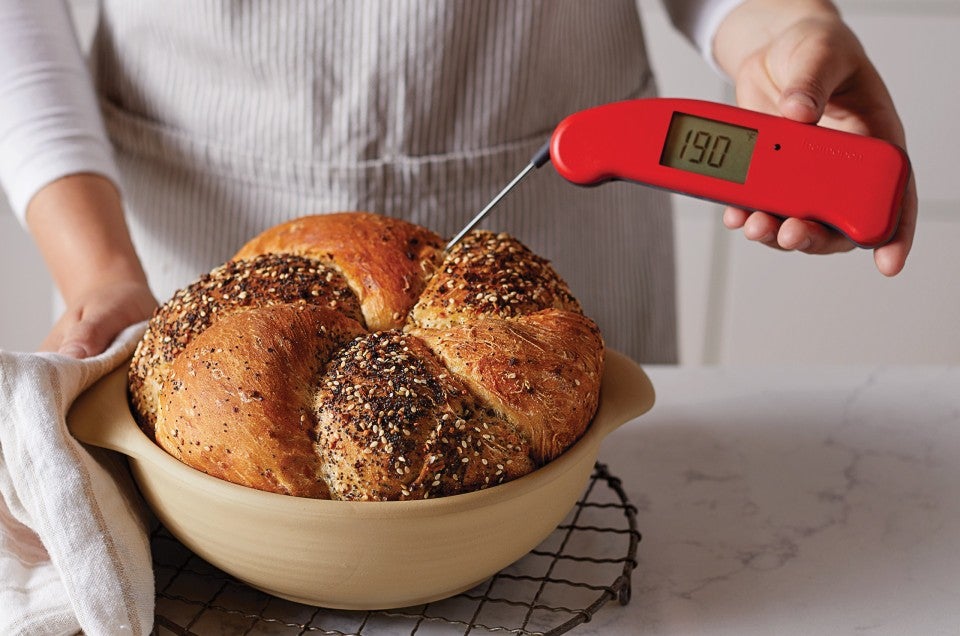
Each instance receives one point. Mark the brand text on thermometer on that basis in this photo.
(833, 151)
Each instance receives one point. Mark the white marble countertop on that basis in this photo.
(793, 501)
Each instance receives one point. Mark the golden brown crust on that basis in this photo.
(385, 261)
(335, 357)
(489, 274)
(541, 371)
(262, 281)
(394, 424)
(238, 400)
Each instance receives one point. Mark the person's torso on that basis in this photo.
(354, 81)
(231, 116)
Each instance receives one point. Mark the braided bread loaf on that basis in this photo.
(345, 356)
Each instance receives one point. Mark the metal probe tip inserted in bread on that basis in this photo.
(542, 157)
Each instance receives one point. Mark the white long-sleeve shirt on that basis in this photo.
(50, 124)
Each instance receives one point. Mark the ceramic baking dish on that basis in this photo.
(357, 555)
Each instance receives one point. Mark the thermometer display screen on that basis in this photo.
(708, 147)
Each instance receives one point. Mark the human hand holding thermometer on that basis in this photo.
(852, 183)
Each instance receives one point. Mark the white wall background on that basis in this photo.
(741, 303)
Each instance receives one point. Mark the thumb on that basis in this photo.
(810, 72)
(91, 334)
(801, 105)
(82, 340)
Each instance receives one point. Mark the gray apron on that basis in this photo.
(229, 117)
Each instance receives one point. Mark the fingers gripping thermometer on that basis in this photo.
(852, 183)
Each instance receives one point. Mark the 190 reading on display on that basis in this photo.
(709, 147)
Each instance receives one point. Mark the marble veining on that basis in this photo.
(794, 501)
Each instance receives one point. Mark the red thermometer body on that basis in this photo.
(738, 157)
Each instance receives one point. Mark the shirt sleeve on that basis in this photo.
(50, 124)
(699, 21)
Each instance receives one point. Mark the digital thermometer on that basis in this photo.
(742, 158)
(852, 183)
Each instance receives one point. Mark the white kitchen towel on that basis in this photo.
(74, 548)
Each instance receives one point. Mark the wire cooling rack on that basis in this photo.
(583, 565)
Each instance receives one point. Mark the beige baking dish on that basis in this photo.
(357, 555)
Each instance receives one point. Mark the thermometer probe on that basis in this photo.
(733, 156)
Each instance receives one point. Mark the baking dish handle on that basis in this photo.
(98, 418)
(625, 392)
